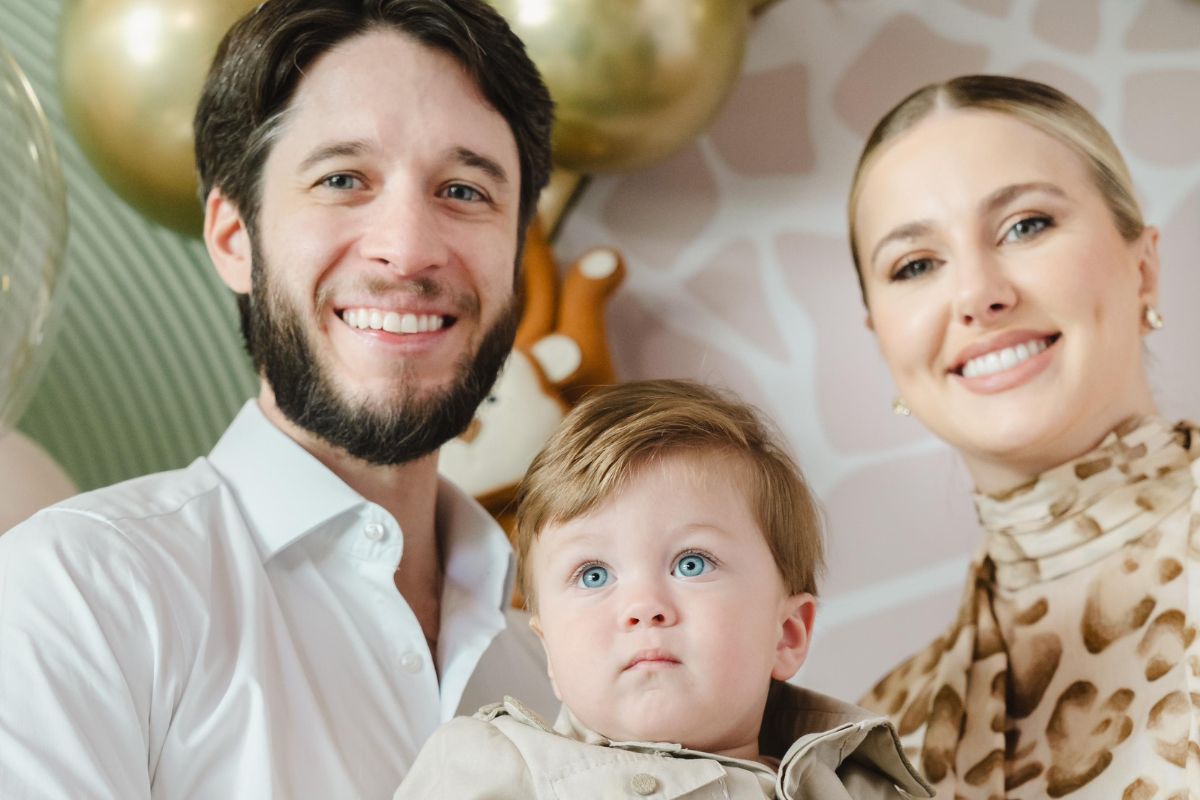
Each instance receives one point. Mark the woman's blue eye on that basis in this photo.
(341, 181)
(913, 269)
(691, 566)
(1026, 228)
(460, 191)
(593, 577)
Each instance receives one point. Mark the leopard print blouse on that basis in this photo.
(1073, 669)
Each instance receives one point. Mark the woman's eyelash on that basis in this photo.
(912, 268)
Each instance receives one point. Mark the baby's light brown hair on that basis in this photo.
(617, 430)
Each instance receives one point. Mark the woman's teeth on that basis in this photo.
(1001, 360)
(390, 321)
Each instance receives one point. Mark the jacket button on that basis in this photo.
(643, 784)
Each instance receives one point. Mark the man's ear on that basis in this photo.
(227, 241)
(795, 633)
(536, 625)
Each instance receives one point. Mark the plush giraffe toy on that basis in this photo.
(560, 352)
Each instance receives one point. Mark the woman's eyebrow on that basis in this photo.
(905, 232)
(1006, 194)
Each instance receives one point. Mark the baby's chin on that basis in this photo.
(689, 733)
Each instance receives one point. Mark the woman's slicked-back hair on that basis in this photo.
(1033, 103)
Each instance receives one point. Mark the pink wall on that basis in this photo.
(739, 273)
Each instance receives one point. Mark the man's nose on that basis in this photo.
(404, 230)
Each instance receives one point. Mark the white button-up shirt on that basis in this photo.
(232, 630)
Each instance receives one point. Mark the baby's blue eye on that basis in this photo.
(691, 565)
(593, 577)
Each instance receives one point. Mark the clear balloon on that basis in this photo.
(33, 232)
(632, 80)
(131, 73)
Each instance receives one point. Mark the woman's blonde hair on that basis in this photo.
(617, 430)
(1033, 103)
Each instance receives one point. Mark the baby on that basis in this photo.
(668, 551)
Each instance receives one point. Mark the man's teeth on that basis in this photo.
(1001, 360)
(390, 321)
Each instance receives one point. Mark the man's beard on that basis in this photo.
(399, 429)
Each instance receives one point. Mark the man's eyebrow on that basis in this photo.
(469, 158)
(333, 150)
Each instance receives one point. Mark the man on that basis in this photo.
(293, 615)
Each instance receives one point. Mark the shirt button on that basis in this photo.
(411, 662)
(373, 531)
(643, 784)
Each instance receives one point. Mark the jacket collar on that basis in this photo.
(798, 724)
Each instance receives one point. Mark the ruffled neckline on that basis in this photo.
(1078, 512)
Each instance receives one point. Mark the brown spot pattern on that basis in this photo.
(942, 734)
(1164, 644)
(1168, 570)
(1087, 469)
(1169, 720)
(979, 774)
(1033, 664)
(1141, 789)
(1082, 737)
(1033, 613)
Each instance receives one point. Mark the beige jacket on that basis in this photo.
(828, 750)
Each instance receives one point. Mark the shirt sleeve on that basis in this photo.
(468, 759)
(79, 655)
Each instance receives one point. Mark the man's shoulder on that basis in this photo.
(151, 518)
(144, 497)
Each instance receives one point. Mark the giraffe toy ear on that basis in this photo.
(510, 426)
(559, 357)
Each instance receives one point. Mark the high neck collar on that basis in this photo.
(1080, 511)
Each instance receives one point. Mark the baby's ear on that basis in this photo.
(535, 625)
(795, 632)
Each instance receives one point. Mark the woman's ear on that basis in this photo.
(535, 625)
(227, 241)
(1147, 252)
(796, 627)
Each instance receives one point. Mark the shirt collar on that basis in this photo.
(283, 490)
(285, 493)
(478, 555)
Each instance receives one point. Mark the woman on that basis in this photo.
(1010, 279)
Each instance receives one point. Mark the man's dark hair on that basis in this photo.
(263, 57)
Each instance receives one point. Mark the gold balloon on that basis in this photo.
(131, 73)
(633, 80)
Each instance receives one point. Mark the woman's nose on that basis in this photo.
(983, 290)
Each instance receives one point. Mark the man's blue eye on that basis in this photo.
(460, 191)
(593, 577)
(691, 566)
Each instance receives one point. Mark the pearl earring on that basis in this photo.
(900, 408)
(1153, 318)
